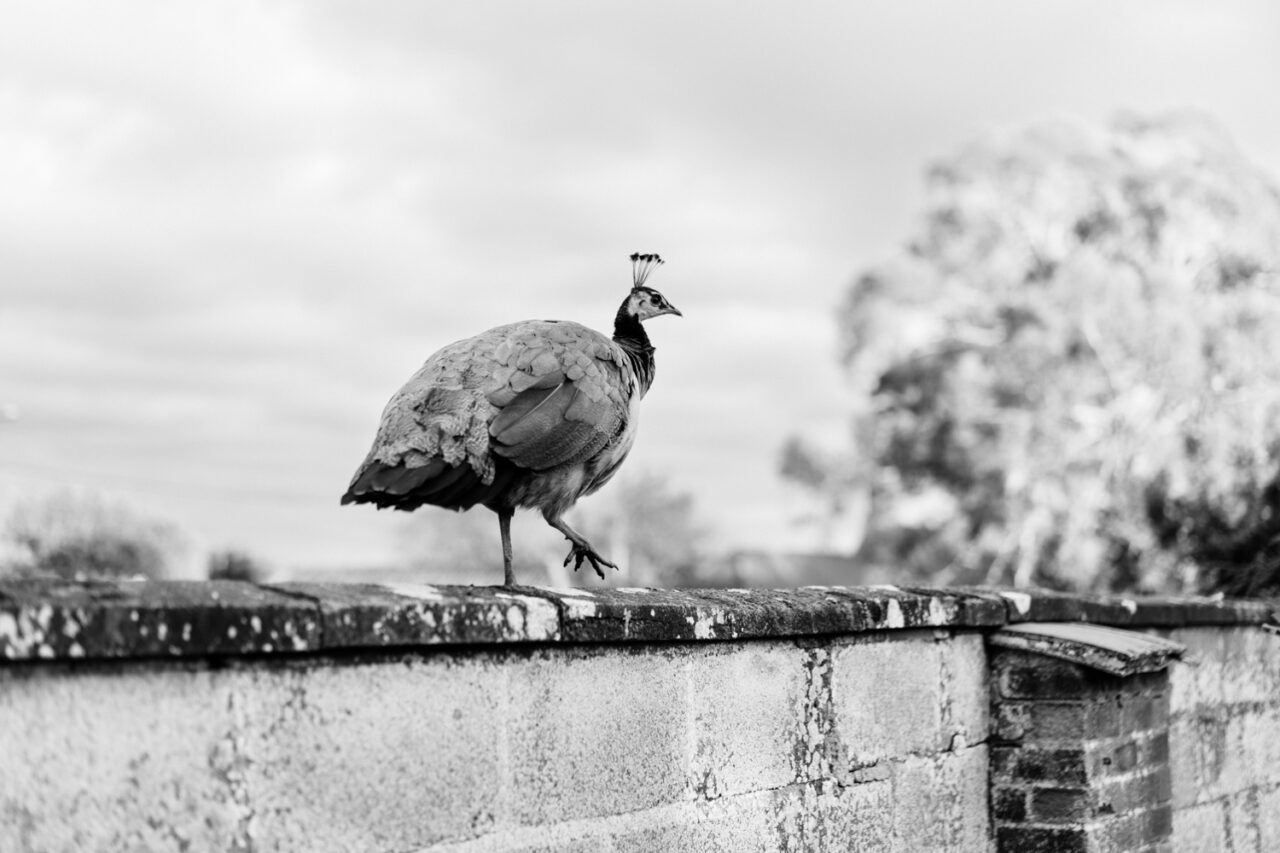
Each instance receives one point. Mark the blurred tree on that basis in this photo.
(652, 532)
(1071, 377)
(642, 523)
(230, 564)
(84, 534)
(438, 546)
(838, 486)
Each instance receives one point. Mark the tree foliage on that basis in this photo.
(640, 521)
(232, 564)
(81, 534)
(1071, 376)
(651, 530)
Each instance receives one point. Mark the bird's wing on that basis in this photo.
(432, 443)
(561, 391)
(537, 393)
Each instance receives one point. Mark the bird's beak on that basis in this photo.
(673, 310)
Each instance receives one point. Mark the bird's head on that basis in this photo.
(644, 302)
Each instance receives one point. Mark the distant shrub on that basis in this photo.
(233, 565)
(82, 534)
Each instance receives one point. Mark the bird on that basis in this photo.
(534, 415)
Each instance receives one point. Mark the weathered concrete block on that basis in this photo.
(940, 802)
(1220, 751)
(593, 734)
(1243, 823)
(746, 703)
(1198, 678)
(966, 693)
(107, 758)
(1259, 727)
(887, 697)
(830, 817)
(733, 823)
(377, 756)
(1249, 666)
(1201, 829)
(1269, 814)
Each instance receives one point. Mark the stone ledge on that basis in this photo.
(64, 620)
(1042, 605)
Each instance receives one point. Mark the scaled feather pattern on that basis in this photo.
(532, 414)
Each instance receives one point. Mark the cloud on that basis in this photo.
(231, 231)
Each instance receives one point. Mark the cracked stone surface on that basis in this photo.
(65, 620)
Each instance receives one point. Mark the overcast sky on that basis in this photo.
(229, 231)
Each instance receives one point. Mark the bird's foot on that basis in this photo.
(583, 551)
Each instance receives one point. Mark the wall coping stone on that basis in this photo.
(1116, 651)
(45, 619)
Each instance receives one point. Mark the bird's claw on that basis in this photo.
(578, 553)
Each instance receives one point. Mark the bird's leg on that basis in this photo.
(504, 525)
(581, 549)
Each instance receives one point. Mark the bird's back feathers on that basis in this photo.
(480, 414)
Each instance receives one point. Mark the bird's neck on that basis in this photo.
(628, 333)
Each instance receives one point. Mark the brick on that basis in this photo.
(1004, 762)
(1060, 805)
(1011, 721)
(1155, 749)
(1121, 832)
(1102, 718)
(1134, 831)
(1160, 782)
(1009, 804)
(1123, 758)
(1039, 839)
(1159, 822)
(1049, 721)
(1022, 675)
(1064, 766)
(1144, 713)
(1132, 793)
(1060, 721)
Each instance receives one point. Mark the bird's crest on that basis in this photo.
(641, 266)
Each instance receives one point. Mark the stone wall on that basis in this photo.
(1225, 736)
(228, 716)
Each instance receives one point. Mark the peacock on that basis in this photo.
(534, 414)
